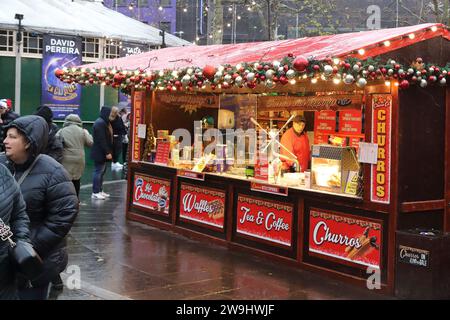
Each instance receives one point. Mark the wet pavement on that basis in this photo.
(118, 259)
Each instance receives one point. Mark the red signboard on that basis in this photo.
(266, 220)
(269, 188)
(203, 205)
(137, 119)
(151, 193)
(325, 122)
(162, 152)
(350, 122)
(381, 135)
(320, 138)
(345, 237)
(191, 174)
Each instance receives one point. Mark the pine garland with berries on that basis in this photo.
(249, 75)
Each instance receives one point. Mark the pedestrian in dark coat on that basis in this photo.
(55, 146)
(101, 151)
(51, 200)
(12, 214)
(119, 131)
(6, 116)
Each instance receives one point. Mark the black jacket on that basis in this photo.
(13, 214)
(55, 145)
(118, 126)
(102, 136)
(7, 118)
(51, 200)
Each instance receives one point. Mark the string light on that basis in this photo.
(160, 8)
(411, 36)
(387, 43)
(336, 81)
(434, 28)
(361, 51)
(387, 83)
(228, 25)
(336, 60)
(314, 80)
(185, 10)
(239, 17)
(293, 81)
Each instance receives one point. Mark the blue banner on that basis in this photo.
(59, 52)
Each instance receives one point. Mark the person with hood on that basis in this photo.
(13, 215)
(6, 116)
(101, 151)
(50, 197)
(54, 145)
(119, 131)
(75, 139)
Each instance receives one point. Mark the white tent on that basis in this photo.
(80, 17)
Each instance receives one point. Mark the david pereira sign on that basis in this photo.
(203, 205)
(59, 52)
(266, 220)
(381, 135)
(345, 237)
(151, 193)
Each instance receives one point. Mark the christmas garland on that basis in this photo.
(287, 71)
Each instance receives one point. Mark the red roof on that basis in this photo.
(339, 45)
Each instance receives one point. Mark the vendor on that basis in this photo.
(296, 141)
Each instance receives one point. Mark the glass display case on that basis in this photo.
(333, 168)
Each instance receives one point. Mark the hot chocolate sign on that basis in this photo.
(203, 205)
(151, 193)
(267, 220)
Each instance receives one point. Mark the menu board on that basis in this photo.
(325, 122)
(162, 152)
(350, 122)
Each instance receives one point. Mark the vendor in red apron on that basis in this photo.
(296, 141)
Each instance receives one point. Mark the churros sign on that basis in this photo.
(345, 237)
(381, 135)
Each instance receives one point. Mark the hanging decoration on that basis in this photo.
(289, 70)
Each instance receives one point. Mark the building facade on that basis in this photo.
(160, 14)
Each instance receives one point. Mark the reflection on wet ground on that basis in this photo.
(120, 259)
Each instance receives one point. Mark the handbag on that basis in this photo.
(22, 253)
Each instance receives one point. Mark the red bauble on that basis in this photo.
(91, 80)
(213, 86)
(300, 64)
(347, 65)
(251, 85)
(260, 67)
(209, 72)
(262, 78)
(59, 73)
(397, 66)
(286, 68)
(117, 77)
(225, 85)
(235, 75)
(275, 79)
(199, 84)
(419, 60)
(283, 80)
(404, 84)
(383, 70)
(290, 55)
(178, 83)
(316, 67)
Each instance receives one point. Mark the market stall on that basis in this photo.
(206, 158)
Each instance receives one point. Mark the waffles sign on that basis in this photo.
(344, 237)
(202, 205)
(151, 193)
(381, 135)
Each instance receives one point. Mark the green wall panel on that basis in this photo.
(30, 94)
(7, 70)
(111, 96)
(90, 100)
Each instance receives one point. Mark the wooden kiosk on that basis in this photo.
(348, 235)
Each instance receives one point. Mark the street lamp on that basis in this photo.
(19, 17)
(18, 70)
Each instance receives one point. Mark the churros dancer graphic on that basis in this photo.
(365, 245)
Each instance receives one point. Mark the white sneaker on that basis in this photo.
(106, 195)
(98, 196)
(116, 165)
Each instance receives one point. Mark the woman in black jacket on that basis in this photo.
(119, 131)
(12, 214)
(51, 200)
